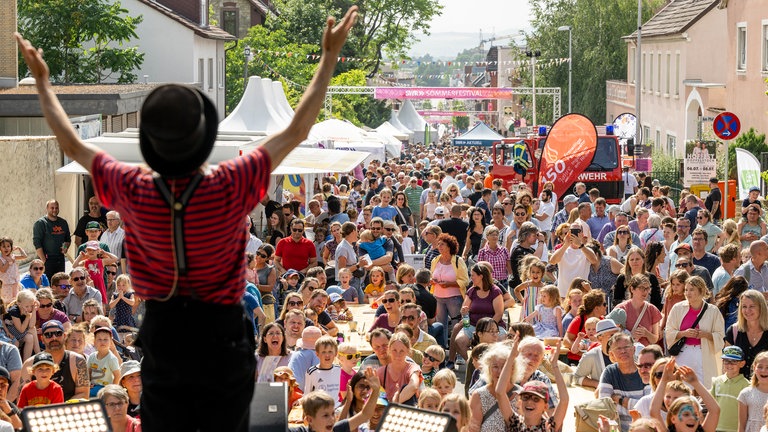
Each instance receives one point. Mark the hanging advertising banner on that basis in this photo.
(748, 168)
(442, 93)
(294, 186)
(568, 151)
(700, 164)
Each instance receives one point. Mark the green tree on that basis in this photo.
(751, 141)
(599, 52)
(85, 41)
(385, 28)
(358, 109)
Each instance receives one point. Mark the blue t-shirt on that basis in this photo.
(28, 282)
(374, 249)
(386, 213)
(252, 300)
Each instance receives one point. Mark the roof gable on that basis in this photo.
(675, 18)
(210, 32)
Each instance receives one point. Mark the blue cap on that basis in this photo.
(732, 352)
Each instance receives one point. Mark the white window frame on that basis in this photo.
(677, 74)
(658, 73)
(221, 73)
(671, 143)
(764, 43)
(657, 141)
(741, 47)
(646, 134)
(669, 67)
(644, 81)
(201, 72)
(650, 72)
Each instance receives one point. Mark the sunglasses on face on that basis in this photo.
(52, 334)
(432, 359)
(65, 286)
(38, 268)
(45, 306)
(389, 300)
(78, 279)
(622, 232)
(405, 300)
(682, 265)
(645, 365)
(351, 356)
(519, 214)
(111, 272)
(408, 318)
(297, 230)
(529, 397)
(262, 256)
(296, 303)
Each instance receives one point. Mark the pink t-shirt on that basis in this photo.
(345, 378)
(445, 272)
(96, 270)
(649, 318)
(392, 384)
(687, 322)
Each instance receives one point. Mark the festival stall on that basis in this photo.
(479, 135)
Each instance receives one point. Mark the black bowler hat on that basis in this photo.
(177, 131)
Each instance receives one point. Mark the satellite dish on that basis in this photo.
(625, 126)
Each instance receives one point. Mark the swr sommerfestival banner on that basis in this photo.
(442, 93)
(568, 151)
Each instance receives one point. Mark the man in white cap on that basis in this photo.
(173, 233)
(594, 361)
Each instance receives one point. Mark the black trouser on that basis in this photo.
(53, 265)
(199, 366)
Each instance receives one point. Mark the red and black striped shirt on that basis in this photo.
(214, 225)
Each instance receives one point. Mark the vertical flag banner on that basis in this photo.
(568, 151)
(748, 168)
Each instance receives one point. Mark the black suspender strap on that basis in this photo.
(178, 208)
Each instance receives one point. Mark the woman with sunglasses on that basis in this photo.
(643, 318)
(474, 232)
(484, 300)
(46, 311)
(293, 301)
(703, 342)
(359, 390)
(753, 228)
(622, 243)
(346, 257)
(272, 352)
(391, 318)
(265, 277)
(405, 216)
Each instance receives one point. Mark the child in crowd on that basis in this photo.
(726, 388)
(5, 335)
(20, 322)
(348, 359)
(377, 286)
(571, 303)
(752, 399)
(444, 382)
(373, 247)
(587, 339)
(746, 255)
(331, 309)
(528, 291)
(434, 355)
(288, 283)
(103, 366)
(674, 293)
(122, 302)
(41, 391)
(477, 352)
(349, 293)
(548, 316)
(285, 374)
(458, 407)
(94, 259)
(9, 269)
(340, 308)
(325, 376)
(429, 400)
(319, 415)
(428, 210)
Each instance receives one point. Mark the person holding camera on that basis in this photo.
(569, 259)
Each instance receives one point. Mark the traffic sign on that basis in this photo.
(726, 125)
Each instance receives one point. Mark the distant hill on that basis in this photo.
(445, 46)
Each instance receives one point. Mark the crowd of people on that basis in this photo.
(624, 299)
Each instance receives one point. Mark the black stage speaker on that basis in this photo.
(269, 408)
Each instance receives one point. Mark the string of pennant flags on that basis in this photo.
(540, 63)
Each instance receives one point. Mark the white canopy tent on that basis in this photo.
(389, 129)
(257, 111)
(393, 120)
(346, 136)
(415, 122)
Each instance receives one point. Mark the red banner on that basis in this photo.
(568, 151)
(442, 93)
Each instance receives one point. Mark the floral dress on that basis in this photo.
(516, 424)
(494, 422)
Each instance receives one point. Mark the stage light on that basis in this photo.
(401, 418)
(89, 416)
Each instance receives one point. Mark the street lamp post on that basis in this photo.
(569, 29)
(247, 54)
(533, 55)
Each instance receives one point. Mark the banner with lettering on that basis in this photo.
(748, 168)
(568, 151)
(699, 164)
(442, 93)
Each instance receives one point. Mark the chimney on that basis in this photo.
(9, 68)
(204, 13)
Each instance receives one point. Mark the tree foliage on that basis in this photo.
(751, 141)
(358, 109)
(385, 28)
(599, 52)
(85, 41)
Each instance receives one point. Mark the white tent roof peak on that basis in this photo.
(394, 121)
(256, 111)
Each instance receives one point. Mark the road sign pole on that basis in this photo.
(726, 126)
